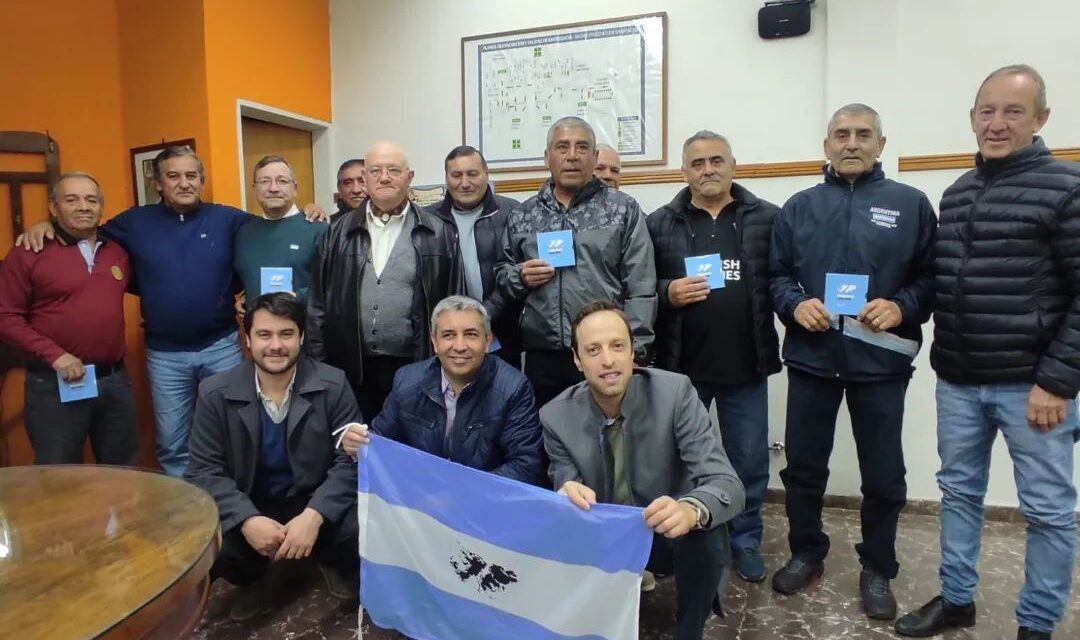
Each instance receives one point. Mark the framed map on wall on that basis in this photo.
(612, 73)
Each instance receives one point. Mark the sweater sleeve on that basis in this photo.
(16, 299)
(1058, 370)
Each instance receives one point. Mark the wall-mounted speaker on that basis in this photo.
(784, 19)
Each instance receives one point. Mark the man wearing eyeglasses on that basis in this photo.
(275, 252)
(378, 275)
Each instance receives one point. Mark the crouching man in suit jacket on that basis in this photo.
(641, 437)
(261, 445)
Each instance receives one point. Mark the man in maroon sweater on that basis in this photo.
(64, 307)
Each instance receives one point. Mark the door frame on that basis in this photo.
(322, 159)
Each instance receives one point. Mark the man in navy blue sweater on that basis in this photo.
(181, 251)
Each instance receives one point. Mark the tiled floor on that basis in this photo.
(828, 610)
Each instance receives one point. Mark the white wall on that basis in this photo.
(397, 74)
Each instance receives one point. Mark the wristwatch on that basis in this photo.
(703, 515)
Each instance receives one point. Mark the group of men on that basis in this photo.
(413, 323)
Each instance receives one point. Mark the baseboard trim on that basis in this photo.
(919, 507)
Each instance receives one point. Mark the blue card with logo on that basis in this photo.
(276, 279)
(556, 248)
(707, 266)
(845, 293)
(82, 389)
(495, 344)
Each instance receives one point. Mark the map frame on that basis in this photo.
(648, 53)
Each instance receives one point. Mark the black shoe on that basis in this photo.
(934, 617)
(796, 575)
(1024, 633)
(878, 601)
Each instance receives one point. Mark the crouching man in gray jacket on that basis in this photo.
(641, 437)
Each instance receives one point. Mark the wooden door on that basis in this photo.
(264, 139)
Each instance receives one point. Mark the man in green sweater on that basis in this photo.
(274, 252)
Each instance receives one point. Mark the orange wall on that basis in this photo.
(273, 52)
(102, 77)
(162, 73)
(67, 82)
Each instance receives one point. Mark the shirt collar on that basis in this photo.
(394, 218)
(294, 210)
(288, 390)
(446, 387)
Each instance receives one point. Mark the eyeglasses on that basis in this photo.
(281, 181)
(392, 171)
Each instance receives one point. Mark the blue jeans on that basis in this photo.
(174, 383)
(743, 414)
(969, 418)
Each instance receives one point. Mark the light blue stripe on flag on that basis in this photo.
(402, 599)
(452, 553)
(526, 517)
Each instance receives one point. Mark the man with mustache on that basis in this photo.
(477, 218)
(723, 338)
(604, 233)
(464, 404)
(351, 189)
(261, 446)
(64, 308)
(850, 274)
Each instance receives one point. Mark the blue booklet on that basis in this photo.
(845, 293)
(556, 248)
(495, 344)
(83, 389)
(708, 266)
(276, 279)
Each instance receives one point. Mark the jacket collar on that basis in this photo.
(65, 239)
(874, 174)
(358, 217)
(547, 193)
(745, 199)
(444, 206)
(241, 388)
(1020, 159)
(432, 382)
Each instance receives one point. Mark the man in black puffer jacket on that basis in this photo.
(1007, 353)
(723, 339)
(856, 225)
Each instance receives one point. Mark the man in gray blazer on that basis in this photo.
(261, 445)
(641, 437)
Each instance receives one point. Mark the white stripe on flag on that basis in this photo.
(545, 590)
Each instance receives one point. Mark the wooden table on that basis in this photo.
(102, 552)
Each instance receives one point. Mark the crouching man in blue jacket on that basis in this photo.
(850, 274)
(462, 405)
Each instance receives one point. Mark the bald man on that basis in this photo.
(378, 275)
(608, 165)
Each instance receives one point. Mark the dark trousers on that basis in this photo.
(877, 415)
(698, 560)
(743, 413)
(550, 373)
(378, 381)
(58, 430)
(336, 546)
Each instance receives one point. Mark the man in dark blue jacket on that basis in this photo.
(462, 405)
(850, 273)
(476, 218)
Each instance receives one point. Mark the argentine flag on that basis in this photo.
(452, 553)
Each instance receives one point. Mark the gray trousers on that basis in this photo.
(58, 431)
